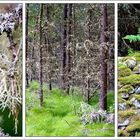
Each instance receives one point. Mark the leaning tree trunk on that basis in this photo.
(40, 57)
(103, 59)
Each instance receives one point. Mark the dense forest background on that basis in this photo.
(70, 69)
(129, 70)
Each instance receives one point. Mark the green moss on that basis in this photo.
(123, 71)
(120, 99)
(126, 113)
(130, 57)
(137, 96)
(135, 119)
(137, 134)
(125, 89)
(133, 128)
(123, 133)
(126, 82)
(122, 59)
(132, 79)
(137, 56)
(136, 68)
(128, 103)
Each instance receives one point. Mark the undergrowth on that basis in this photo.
(60, 114)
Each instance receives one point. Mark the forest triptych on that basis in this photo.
(69, 73)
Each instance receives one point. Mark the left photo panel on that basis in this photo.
(10, 69)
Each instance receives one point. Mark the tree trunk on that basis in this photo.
(32, 48)
(89, 37)
(69, 47)
(88, 83)
(41, 53)
(64, 45)
(27, 17)
(48, 45)
(73, 63)
(103, 59)
(89, 12)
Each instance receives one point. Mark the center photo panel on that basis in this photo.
(70, 70)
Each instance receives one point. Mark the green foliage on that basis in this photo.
(59, 116)
(132, 38)
(110, 101)
(130, 51)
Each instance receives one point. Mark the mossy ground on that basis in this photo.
(59, 115)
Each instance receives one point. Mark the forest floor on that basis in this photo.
(59, 115)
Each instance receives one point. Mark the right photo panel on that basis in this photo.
(129, 70)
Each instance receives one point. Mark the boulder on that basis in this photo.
(124, 124)
(121, 106)
(125, 96)
(131, 63)
(135, 102)
(137, 90)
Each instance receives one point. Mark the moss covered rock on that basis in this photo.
(133, 128)
(129, 83)
(132, 80)
(123, 133)
(126, 89)
(126, 114)
(131, 63)
(123, 71)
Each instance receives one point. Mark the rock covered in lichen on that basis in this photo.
(131, 63)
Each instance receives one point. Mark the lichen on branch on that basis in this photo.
(10, 68)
